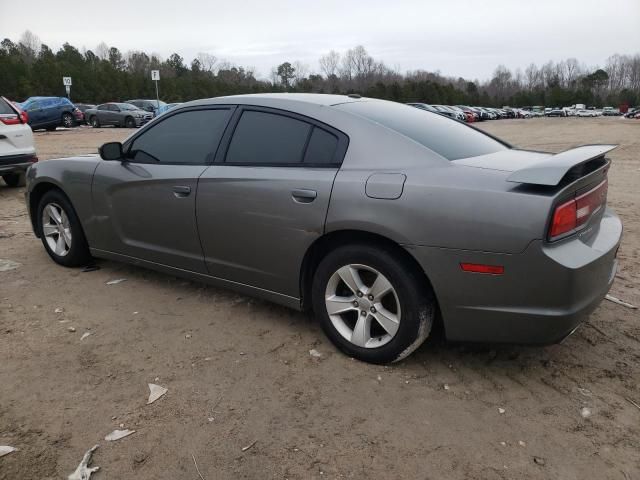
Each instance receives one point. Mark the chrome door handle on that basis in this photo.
(303, 195)
(181, 191)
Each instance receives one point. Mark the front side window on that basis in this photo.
(103, 107)
(184, 138)
(268, 138)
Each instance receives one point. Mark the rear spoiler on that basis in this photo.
(552, 171)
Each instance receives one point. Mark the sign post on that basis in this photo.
(66, 81)
(155, 76)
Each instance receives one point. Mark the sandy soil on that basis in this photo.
(239, 371)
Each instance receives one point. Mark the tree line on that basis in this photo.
(28, 68)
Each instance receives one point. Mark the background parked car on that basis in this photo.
(586, 113)
(167, 107)
(17, 151)
(148, 105)
(117, 114)
(83, 107)
(51, 112)
(555, 112)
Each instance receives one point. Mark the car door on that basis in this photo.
(145, 206)
(265, 199)
(36, 114)
(102, 112)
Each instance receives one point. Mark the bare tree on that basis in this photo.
(329, 63)
(30, 41)
(102, 51)
(207, 62)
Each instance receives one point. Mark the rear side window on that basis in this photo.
(322, 147)
(450, 139)
(183, 138)
(5, 108)
(268, 138)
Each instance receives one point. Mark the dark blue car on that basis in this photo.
(50, 112)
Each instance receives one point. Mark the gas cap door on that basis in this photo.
(385, 186)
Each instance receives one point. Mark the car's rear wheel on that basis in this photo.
(67, 120)
(371, 303)
(60, 230)
(95, 123)
(14, 179)
(130, 122)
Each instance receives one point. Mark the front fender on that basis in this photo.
(74, 176)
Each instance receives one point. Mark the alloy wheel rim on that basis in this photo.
(363, 306)
(56, 229)
(67, 121)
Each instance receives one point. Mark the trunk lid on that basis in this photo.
(546, 169)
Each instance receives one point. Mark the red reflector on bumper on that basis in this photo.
(480, 268)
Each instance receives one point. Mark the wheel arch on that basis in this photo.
(329, 241)
(36, 195)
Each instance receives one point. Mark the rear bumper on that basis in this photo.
(543, 295)
(15, 163)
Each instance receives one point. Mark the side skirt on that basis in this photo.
(285, 300)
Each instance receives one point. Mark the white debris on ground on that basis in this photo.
(85, 335)
(116, 281)
(58, 310)
(315, 353)
(71, 329)
(118, 434)
(585, 412)
(6, 450)
(6, 265)
(83, 472)
(613, 299)
(501, 410)
(155, 392)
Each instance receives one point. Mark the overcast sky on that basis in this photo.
(467, 38)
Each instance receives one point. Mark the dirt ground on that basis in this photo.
(239, 372)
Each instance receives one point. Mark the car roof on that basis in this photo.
(279, 99)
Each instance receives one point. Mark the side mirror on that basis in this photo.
(111, 151)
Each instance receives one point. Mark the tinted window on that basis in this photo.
(5, 109)
(268, 138)
(186, 137)
(322, 147)
(451, 139)
(103, 107)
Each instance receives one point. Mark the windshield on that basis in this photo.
(449, 138)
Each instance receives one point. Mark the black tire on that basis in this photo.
(14, 179)
(67, 120)
(78, 254)
(129, 122)
(416, 300)
(95, 123)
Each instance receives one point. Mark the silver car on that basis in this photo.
(380, 217)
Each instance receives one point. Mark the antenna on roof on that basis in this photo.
(354, 95)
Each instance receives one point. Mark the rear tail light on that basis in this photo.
(573, 214)
(33, 159)
(10, 119)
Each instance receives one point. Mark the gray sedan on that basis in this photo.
(380, 217)
(117, 114)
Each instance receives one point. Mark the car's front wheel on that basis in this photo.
(14, 179)
(130, 122)
(60, 230)
(372, 304)
(95, 123)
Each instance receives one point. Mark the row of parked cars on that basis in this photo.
(50, 113)
(475, 114)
